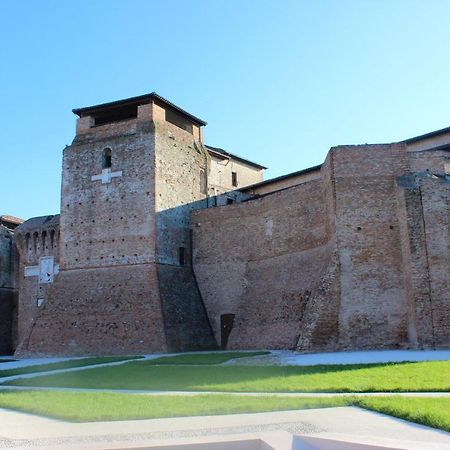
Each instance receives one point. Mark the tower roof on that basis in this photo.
(133, 101)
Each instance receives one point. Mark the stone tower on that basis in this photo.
(121, 279)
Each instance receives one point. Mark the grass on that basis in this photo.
(400, 377)
(88, 407)
(204, 358)
(433, 411)
(63, 365)
(91, 407)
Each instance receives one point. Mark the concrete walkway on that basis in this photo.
(245, 394)
(19, 430)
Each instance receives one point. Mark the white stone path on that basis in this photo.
(19, 430)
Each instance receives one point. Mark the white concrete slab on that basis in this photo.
(348, 422)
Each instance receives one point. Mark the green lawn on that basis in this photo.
(401, 377)
(64, 365)
(432, 411)
(203, 358)
(89, 407)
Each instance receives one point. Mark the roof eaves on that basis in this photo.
(11, 219)
(426, 135)
(221, 152)
(281, 178)
(141, 99)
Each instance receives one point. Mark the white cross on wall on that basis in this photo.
(106, 176)
(46, 270)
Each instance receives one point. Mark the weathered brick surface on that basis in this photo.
(358, 259)
(114, 310)
(263, 260)
(373, 303)
(352, 254)
(121, 286)
(435, 195)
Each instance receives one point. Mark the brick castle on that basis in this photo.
(164, 243)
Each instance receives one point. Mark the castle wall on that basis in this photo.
(180, 187)
(97, 311)
(105, 298)
(108, 224)
(181, 183)
(373, 302)
(263, 261)
(435, 196)
(8, 292)
(353, 254)
(357, 259)
(36, 238)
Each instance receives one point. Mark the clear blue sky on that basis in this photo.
(278, 81)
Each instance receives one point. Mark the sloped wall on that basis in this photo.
(264, 261)
(358, 259)
(113, 310)
(424, 201)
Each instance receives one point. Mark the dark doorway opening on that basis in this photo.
(226, 325)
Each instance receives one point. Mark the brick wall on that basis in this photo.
(264, 261)
(357, 259)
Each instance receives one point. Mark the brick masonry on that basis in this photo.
(148, 254)
(120, 283)
(357, 259)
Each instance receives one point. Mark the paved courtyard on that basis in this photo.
(19, 430)
(350, 424)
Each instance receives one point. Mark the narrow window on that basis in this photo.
(234, 179)
(44, 238)
(106, 159)
(182, 256)
(52, 238)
